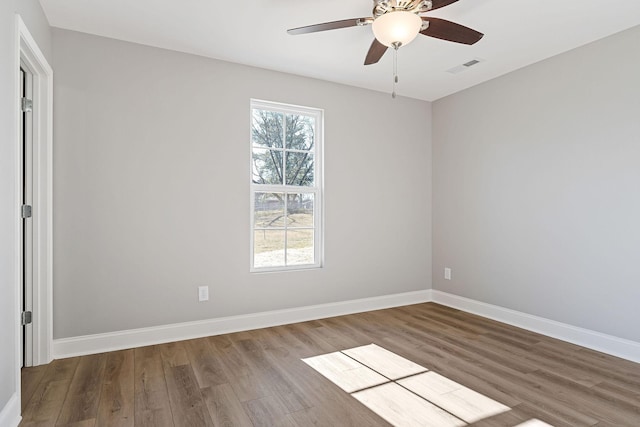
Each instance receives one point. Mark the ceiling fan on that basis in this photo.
(396, 23)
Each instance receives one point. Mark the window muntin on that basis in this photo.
(285, 187)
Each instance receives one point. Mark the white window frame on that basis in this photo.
(316, 189)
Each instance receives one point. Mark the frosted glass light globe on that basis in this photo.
(397, 27)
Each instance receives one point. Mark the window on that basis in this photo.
(286, 187)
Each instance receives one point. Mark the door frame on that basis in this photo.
(26, 172)
(28, 52)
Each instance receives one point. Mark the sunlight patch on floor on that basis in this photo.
(345, 372)
(534, 423)
(405, 393)
(385, 362)
(457, 399)
(401, 407)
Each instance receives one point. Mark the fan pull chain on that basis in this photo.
(395, 70)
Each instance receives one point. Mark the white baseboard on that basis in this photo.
(99, 343)
(609, 344)
(10, 414)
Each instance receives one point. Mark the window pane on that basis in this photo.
(300, 132)
(300, 210)
(266, 129)
(286, 149)
(268, 210)
(299, 247)
(300, 169)
(268, 248)
(267, 166)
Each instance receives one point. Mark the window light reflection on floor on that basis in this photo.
(404, 393)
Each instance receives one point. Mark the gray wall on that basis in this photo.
(34, 19)
(536, 188)
(151, 184)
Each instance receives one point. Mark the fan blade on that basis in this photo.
(376, 51)
(345, 23)
(437, 4)
(450, 31)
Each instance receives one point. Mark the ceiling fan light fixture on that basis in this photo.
(397, 28)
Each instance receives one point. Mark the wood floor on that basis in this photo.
(257, 378)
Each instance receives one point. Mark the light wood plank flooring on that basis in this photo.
(257, 378)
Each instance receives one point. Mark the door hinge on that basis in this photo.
(26, 211)
(27, 105)
(26, 318)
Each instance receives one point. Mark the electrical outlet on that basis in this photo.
(447, 273)
(203, 293)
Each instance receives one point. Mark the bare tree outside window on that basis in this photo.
(277, 163)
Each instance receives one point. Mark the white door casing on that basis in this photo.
(30, 56)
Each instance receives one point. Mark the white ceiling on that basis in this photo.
(253, 32)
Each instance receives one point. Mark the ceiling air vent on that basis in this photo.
(463, 67)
